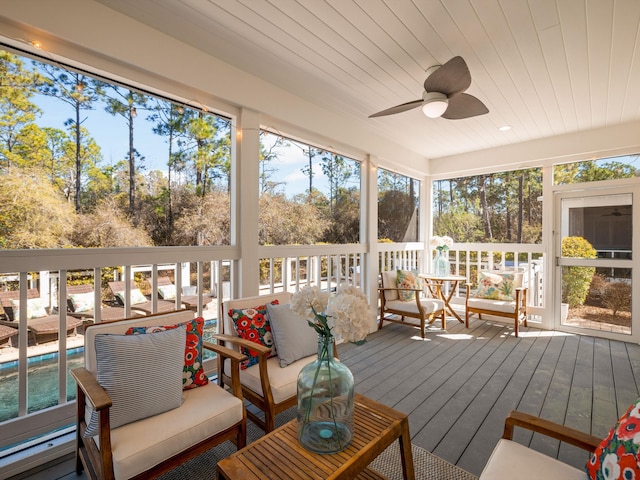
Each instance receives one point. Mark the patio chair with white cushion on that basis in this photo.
(142, 407)
(269, 379)
(407, 298)
(499, 294)
(613, 456)
(167, 291)
(139, 301)
(81, 304)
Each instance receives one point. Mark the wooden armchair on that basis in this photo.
(421, 307)
(268, 385)
(502, 300)
(513, 460)
(150, 445)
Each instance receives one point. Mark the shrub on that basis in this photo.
(597, 290)
(618, 297)
(576, 280)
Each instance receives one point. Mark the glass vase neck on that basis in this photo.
(325, 347)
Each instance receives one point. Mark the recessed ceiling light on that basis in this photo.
(504, 128)
(36, 44)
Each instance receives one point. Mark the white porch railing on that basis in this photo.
(208, 269)
(408, 256)
(327, 266)
(468, 259)
(212, 271)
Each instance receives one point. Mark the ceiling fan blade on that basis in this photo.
(464, 105)
(398, 109)
(451, 78)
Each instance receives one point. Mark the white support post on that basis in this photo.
(244, 204)
(369, 232)
(185, 274)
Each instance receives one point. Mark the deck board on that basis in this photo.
(580, 403)
(625, 385)
(458, 386)
(479, 444)
(604, 413)
(479, 407)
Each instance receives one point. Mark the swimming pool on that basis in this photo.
(42, 378)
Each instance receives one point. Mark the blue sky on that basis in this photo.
(111, 134)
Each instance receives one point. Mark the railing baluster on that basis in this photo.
(62, 337)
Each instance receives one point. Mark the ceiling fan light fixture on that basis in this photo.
(435, 104)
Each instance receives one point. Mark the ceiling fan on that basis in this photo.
(616, 213)
(443, 95)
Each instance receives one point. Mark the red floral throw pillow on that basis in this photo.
(618, 455)
(253, 324)
(193, 374)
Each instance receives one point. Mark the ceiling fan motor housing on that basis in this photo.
(435, 104)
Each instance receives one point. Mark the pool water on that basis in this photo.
(42, 378)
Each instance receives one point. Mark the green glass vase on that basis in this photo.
(441, 266)
(325, 402)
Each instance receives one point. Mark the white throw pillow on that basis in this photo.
(35, 308)
(82, 302)
(292, 334)
(167, 292)
(136, 296)
(141, 373)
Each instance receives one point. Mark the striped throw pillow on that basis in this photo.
(141, 373)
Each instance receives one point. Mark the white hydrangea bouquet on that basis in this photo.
(442, 244)
(344, 316)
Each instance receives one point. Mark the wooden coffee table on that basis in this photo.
(279, 454)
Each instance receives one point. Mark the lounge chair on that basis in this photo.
(167, 291)
(43, 326)
(76, 297)
(139, 301)
(6, 335)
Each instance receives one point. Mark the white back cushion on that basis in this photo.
(390, 280)
(248, 302)
(121, 327)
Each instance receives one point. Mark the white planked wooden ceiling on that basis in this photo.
(544, 67)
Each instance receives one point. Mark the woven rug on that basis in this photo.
(427, 465)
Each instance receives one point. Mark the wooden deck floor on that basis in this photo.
(458, 386)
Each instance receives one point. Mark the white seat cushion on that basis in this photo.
(283, 381)
(205, 411)
(430, 305)
(516, 462)
(495, 305)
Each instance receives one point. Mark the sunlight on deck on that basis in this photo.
(418, 337)
(457, 336)
(545, 333)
